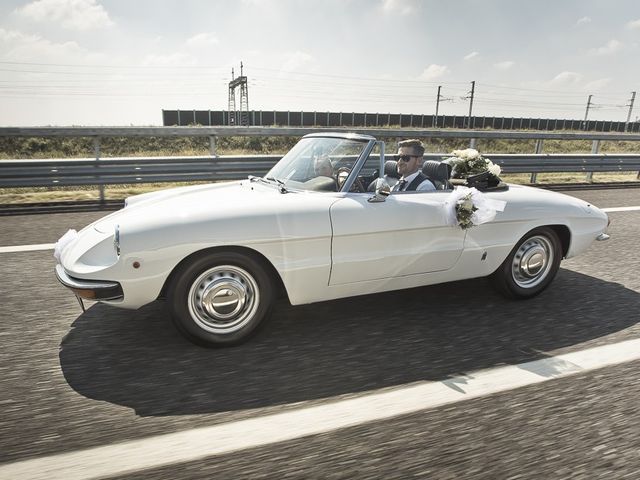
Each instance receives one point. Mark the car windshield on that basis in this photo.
(314, 162)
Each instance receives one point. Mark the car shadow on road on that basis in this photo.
(137, 359)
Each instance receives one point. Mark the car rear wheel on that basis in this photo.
(531, 265)
(219, 299)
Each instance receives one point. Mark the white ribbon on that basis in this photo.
(67, 239)
(487, 208)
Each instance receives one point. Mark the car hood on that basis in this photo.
(169, 202)
(226, 204)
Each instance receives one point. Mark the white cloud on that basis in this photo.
(634, 24)
(296, 61)
(71, 14)
(471, 55)
(170, 60)
(610, 48)
(10, 36)
(433, 71)
(202, 40)
(570, 81)
(403, 7)
(596, 85)
(18, 46)
(506, 65)
(566, 78)
(583, 20)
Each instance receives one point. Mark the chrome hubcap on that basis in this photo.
(532, 261)
(223, 299)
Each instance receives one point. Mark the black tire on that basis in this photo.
(220, 299)
(530, 266)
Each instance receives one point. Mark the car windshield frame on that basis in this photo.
(299, 161)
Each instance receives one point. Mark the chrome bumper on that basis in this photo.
(90, 289)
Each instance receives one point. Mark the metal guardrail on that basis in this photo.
(68, 172)
(562, 162)
(112, 171)
(106, 171)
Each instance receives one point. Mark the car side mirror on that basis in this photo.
(382, 191)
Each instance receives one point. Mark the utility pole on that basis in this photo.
(435, 120)
(232, 101)
(241, 117)
(633, 97)
(244, 99)
(586, 113)
(439, 99)
(473, 88)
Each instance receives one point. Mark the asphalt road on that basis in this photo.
(71, 380)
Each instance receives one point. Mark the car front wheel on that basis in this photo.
(531, 265)
(219, 299)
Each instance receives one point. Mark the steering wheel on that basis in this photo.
(342, 175)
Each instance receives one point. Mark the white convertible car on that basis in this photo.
(323, 224)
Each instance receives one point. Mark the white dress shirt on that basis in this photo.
(425, 186)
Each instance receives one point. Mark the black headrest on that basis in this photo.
(391, 169)
(435, 170)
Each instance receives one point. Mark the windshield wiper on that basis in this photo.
(280, 183)
(269, 181)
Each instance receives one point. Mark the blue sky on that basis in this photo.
(117, 62)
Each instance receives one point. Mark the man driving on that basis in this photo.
(410, 160)
(322, 166)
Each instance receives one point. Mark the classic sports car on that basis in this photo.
(323, 224)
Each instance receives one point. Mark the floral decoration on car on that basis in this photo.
(466, 207)
(469, 162)
(476, 170)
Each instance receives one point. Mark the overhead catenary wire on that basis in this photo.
(316, 75)
(59, 80)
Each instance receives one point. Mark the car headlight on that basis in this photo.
(116, 240)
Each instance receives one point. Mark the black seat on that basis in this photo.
(438, 173)
(391, 175)
(391, 169)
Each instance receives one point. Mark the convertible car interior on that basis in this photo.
(439, 172)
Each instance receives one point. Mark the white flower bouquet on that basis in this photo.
(478, 171)
(466, 207)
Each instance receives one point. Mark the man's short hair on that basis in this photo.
(416, 145)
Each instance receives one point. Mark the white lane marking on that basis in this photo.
(620, 209)
(27, 248)
(199, 443)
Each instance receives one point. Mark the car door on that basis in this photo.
(405, 235)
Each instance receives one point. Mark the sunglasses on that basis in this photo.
(406, 158)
